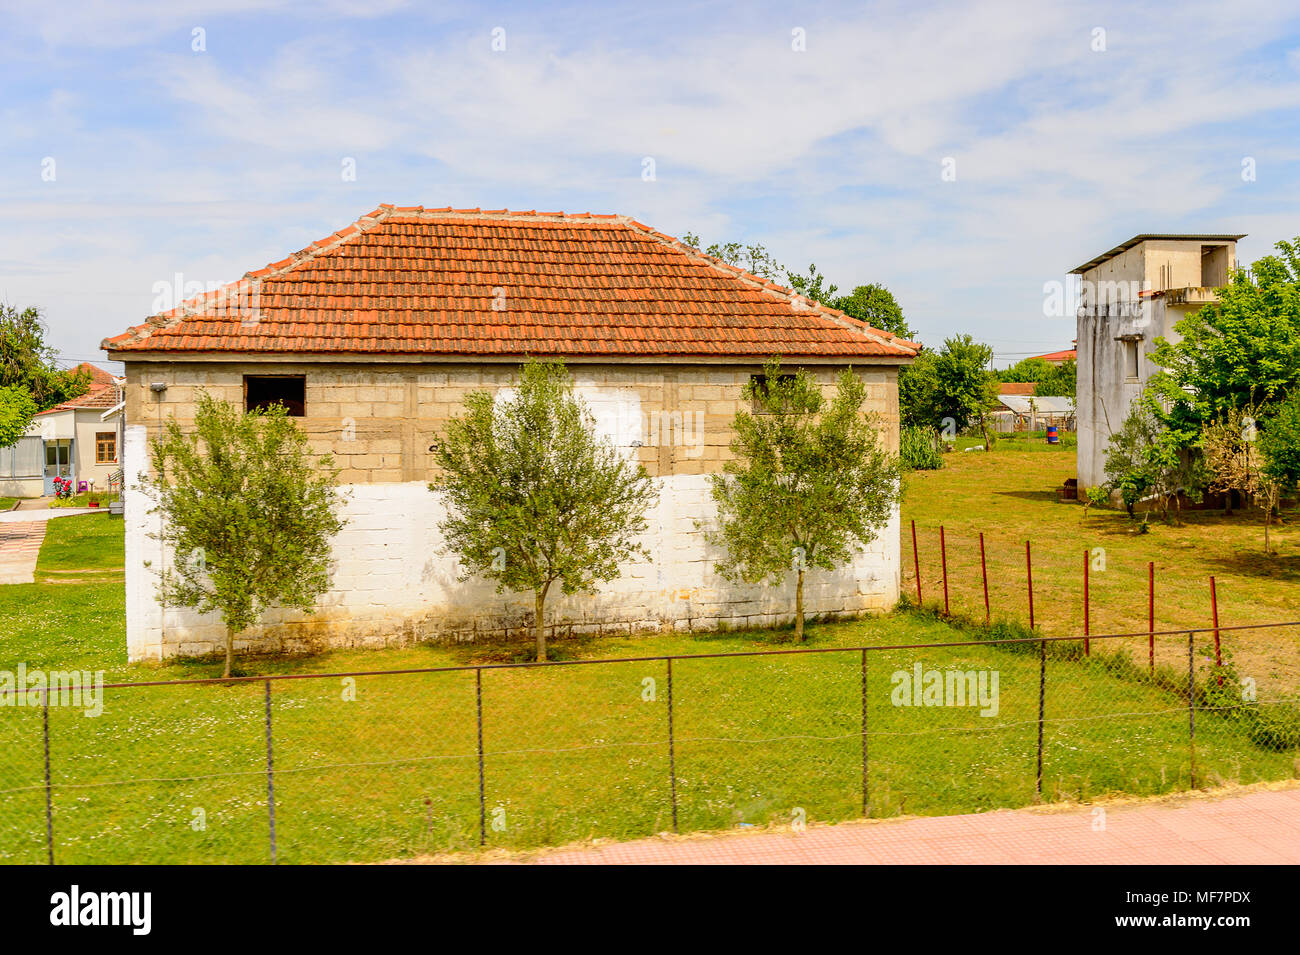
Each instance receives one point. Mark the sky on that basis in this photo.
(965, 155)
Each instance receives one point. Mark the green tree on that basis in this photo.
(1279, 443)
(965, 390)
(1234, 462)
(754, 259)
(813, 285)
(248, 511)
(875, 305)
(918, 386)
(1059, 380)
(27, 362)
(1141, 466)
(16, 411)
(534, 496)
(1243, 348)
(810, 483)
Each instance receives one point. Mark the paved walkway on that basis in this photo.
(1256, 825)
(21, 535)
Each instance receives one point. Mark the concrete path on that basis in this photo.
(21, 535)
(46, 514)
(1254, 825)
(20, 542)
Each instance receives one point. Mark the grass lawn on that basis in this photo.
(84, 499)
(1011, 496)
(389, 767)
(7, 502)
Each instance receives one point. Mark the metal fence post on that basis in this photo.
(1086, 615)
(270, 773)
(482, 797)
(49, 793)
(984, 571)
(1042, 707)
(672, 747)
(943, 560)
(1191, 702)
(1214, 611)
(916, 562)
(1029, 579)
(1151, 617)
(866, 804)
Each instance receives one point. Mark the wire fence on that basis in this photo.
(370, 766)
(1096, 587)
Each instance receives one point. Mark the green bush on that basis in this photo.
(918, 447)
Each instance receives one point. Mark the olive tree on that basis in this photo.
(248, 511)
(809, 485)
(535, 498)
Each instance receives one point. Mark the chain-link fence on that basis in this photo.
(370, 766)
(1106, 584)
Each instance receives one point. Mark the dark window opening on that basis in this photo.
(262, 391)
(759, 384)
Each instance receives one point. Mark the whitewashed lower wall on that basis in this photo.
(395, 584)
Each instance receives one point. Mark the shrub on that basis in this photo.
(918, 448)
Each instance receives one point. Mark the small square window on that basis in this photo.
(262, 391)
(105, 447)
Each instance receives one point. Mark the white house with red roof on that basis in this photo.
(373, 336)
(78, 439)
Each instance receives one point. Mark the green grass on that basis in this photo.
(84, 499)
(1012, 496)
(92, 542)
(7, 502)
(571, 752)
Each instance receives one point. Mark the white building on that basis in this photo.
(1130, 296)
(372, 337)
(79, 439)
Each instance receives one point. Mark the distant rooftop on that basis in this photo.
(1147, 236)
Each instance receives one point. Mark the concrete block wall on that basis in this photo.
(394, 582)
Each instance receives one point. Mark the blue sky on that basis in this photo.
(213, 162)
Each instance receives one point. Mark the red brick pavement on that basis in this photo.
(1244, 827)
(20, 542)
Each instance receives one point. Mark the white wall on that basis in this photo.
(393, 582)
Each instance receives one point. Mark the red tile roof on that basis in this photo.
(1017, 388)
(1059, 355)
(101, 394)
(450, 282)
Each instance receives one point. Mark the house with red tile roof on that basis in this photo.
(78, 439)
(372, 337)
(1058, 357)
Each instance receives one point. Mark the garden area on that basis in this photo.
(383, 766)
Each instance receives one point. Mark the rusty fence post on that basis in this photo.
(866, 804)
(916, 562)
(984, 571)
(482, 796)
(49, 791)
(1191, 703)
(1029, 577)
(672, 746)
(1151, 617)
(943, 563)
(1214, 612)
(270, 774)
(1087, 649)
(1042, 708)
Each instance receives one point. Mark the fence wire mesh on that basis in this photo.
(333, 768)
